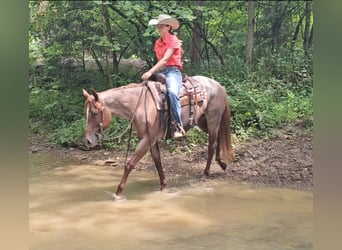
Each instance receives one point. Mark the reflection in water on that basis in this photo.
(71, 208)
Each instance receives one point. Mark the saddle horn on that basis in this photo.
(158, 77)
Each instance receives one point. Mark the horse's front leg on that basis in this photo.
(155, 153)
(140, 151)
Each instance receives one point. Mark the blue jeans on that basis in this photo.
(173, 84)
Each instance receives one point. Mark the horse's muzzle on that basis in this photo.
(90, 141)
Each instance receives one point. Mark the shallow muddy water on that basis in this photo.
(70, 208)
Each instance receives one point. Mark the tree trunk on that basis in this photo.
(83, 48)
(196, 39)
(108, 68)
(98, 63)
(195, 44)
(295, 35)
(306, 39)
(276, 26)
(109, 34)
(250, 33)
(311, 37)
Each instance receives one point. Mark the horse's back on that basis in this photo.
(212, 86)
(206, 81)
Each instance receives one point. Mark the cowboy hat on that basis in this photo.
(165, 19)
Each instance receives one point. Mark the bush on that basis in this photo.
(261, 102)
(70, 134)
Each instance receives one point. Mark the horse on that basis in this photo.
(135, 103)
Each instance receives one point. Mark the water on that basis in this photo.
(71, 208)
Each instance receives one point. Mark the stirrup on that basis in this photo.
(180, 132)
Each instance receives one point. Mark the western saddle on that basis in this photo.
(192, 93)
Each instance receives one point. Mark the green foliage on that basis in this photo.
(277, 88)
(70, 134)
(258, 111)
(265, 96)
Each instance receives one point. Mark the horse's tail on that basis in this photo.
(224, 141)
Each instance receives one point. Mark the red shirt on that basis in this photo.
(170, 42)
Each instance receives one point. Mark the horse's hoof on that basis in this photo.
(223, 166)
(116, 197)
(163, 187)
(203, 178)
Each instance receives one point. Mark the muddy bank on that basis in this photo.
(283, 161)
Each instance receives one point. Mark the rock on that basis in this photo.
(111, 161)
(297, 177)
(252, 173)
(99, 162)
(34, 150)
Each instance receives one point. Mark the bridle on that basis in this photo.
(99, 108)
(101, 121)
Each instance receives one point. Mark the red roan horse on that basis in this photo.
(137, 104)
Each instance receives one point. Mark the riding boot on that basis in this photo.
(180, 132)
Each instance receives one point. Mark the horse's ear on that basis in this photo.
(85, 93)
(95, 94)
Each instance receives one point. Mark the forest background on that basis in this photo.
(260, 51)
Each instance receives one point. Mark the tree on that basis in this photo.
(196, 39)
(306, 39)
(213, 32)
(276, 25)
(109, 33)
(250, 33)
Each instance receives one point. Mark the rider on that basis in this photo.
(169, 54)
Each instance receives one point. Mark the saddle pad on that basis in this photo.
(156, 89)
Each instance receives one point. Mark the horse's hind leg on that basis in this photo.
(155, 153)
(222, 164)
(211, 149)
(213, 142)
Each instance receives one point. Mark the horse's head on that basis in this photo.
(98, 118)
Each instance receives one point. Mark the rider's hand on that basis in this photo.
(146, 75)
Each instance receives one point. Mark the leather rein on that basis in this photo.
(100, 108)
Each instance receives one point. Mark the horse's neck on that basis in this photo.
(121, 101)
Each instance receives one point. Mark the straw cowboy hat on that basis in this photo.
(165, 19)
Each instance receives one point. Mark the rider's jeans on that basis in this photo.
(173, 84)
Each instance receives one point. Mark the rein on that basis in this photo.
(146, 118)
(129, 126)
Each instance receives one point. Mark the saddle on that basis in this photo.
(192, 93)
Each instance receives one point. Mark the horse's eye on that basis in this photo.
(95, 113)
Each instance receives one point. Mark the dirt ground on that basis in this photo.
(283, 161)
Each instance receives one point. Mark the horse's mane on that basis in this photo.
(121, 88)
(131, 85)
